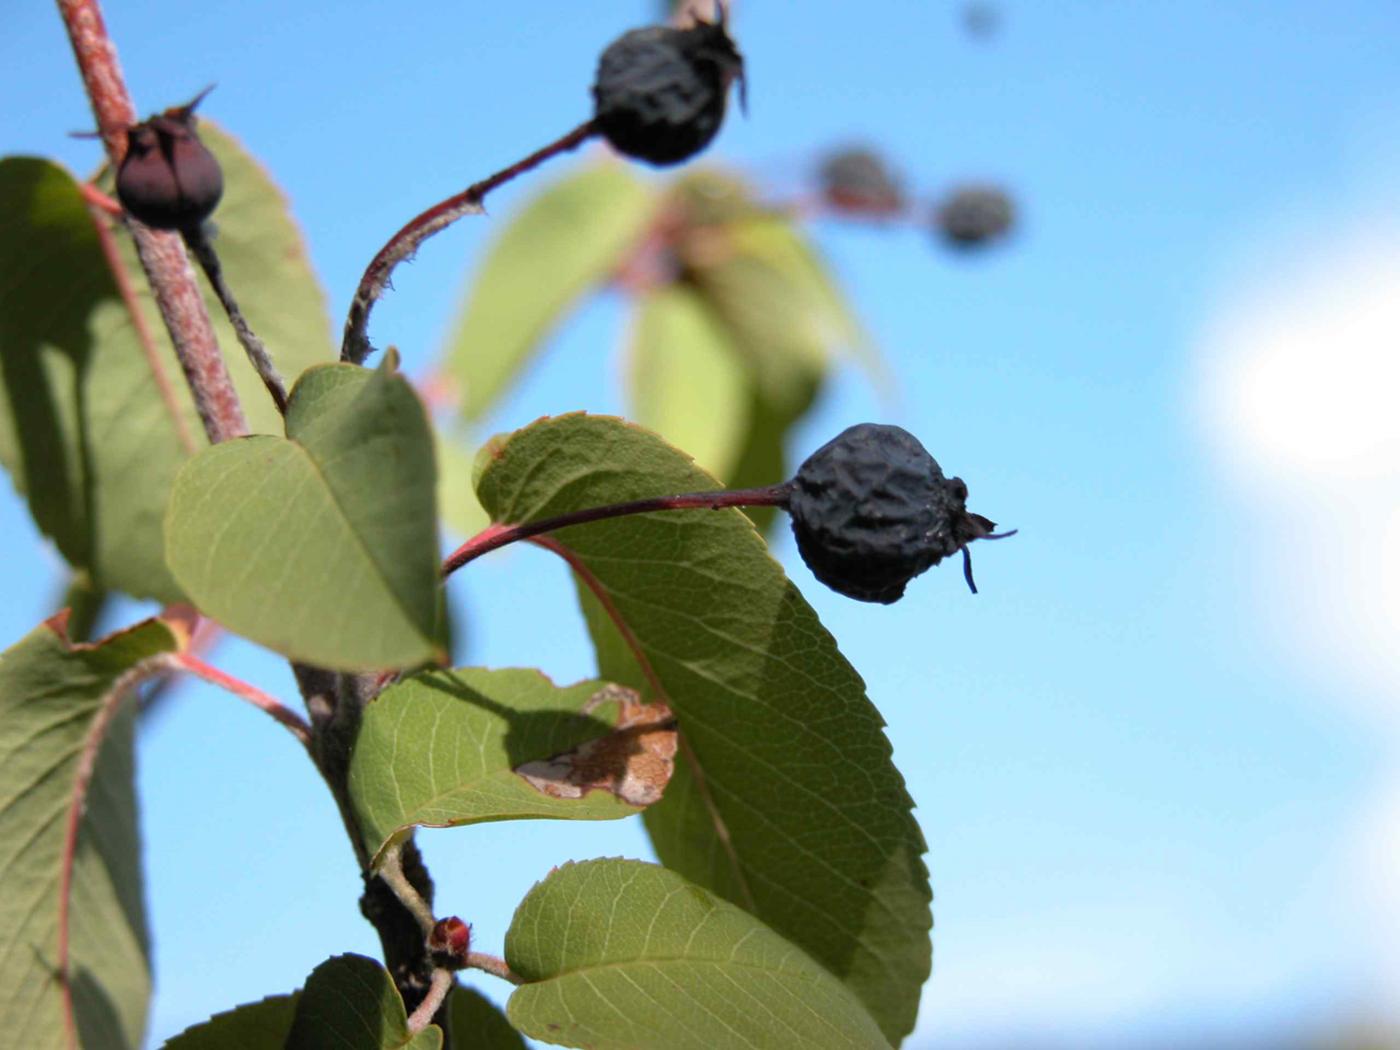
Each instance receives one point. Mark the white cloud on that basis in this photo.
(1303, 375)
(1301, 387)
(1301, 390)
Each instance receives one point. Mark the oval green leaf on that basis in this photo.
(620, 954)
(252, 1026)
(570, 236)
(57, 698)
(786, 800)
(442, 749)
(350, 1003)
(321, 546)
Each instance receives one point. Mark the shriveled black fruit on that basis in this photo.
(858, 181)
(168, 178)
(871, 510)
(973, 216)
(660, 92)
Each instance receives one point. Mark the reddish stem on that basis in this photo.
(144, 335)
(99, 200)
(496, 536)
(355, 346)
(162, 255)
(262, 701)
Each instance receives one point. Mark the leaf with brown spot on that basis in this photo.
(634, 761)
(442, 748)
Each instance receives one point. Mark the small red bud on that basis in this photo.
(450, 942)
(168, 179)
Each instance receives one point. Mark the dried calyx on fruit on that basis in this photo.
(168, 179)
(974, 215)
(857, 181)
(660, 92)
(871, 510)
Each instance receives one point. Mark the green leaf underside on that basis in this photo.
(688, 381)
(798, 813)
(618, 953)
(440, 749)
(568, 238)
(479, 1024)
(50, 695)
(350, 1003)
(253, 1026)
(322, 546)
(84, 430)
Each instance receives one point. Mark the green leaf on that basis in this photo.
(688, 380)
(478, 1024)
(84, 431)
(571, 236)
(349, 1003)
(621, 954)
(791, 807)
(253, 1026)
(56, 699)
(442, 748)
(322, 546)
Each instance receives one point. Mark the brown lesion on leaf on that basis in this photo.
(633, 762)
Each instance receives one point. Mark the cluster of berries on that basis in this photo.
(857, 182)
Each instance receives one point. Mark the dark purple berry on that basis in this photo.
(168, 179)
(871, 510)
(858, 182)
(660, 92)
(974, 216)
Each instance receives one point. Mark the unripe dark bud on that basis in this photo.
(871, 510)
(858, 182)
(973, 216)
(168, 179)
(660, 92)
(449, 943)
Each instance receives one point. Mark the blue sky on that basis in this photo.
(1157, 759)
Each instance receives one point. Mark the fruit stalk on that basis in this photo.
(355, 345)
(497, 536)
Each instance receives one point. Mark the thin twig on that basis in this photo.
(203, 249)
(391, 871)
(185, 661)
(162, 255)
(355, 346)
(494, 966)
(438, 988)
(494, 537)
(103, 203)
